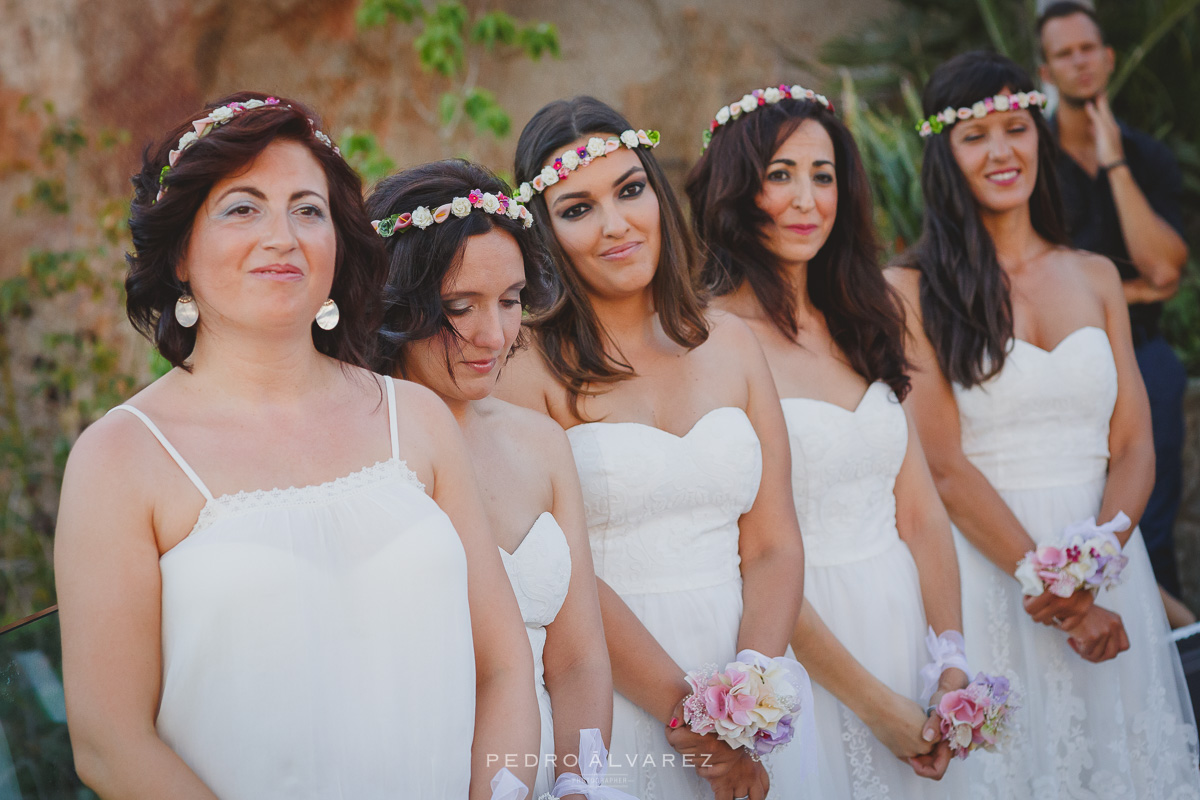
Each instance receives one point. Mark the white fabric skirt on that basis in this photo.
(1120, 730)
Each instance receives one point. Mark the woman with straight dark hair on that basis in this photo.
(455, 294)
(680, 446)
(1032, 412)
(781, 203)
(247, 610)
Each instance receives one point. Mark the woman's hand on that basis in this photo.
(898, 723)
(706, 751)
(1098, 636)
(741, 778)
(933, 764)
(1062, 612)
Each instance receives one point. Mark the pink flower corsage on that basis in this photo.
(978, 716)
(1088, 557)
(754, 702)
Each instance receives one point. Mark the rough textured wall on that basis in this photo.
(139, 65)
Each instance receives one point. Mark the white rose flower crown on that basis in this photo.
(755, 100)
(421, 217)
(581, 156)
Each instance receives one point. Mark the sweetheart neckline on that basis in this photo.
(695, 424)
(525, 538)
(1061, 341)
(852, 411)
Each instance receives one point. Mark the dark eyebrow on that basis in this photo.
(580, 195)
(250, 190)
(461, 295)
(787, 162)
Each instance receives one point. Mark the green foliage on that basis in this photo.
(361, 149)
(1157, 78)
(451, 42)
(47, 397)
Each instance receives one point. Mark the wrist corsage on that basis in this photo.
(754, 702)
(506, 786)
(947, 651)
(978, 716)
(1088, 557)
(593, 764)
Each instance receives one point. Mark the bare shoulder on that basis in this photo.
(531, 432)
(727, 331)
(526, 380)
(1100, 272)
(905, 280)
(419, 408)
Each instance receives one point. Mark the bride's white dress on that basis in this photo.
(662, 513)
(860, 577)
(316, 641)
(540, 573)
(1122, 729)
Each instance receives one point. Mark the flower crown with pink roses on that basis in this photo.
(581, 156)
(215, 119)
(761, 97)
(422, 217)
(989, 105)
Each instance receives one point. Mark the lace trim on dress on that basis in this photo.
(316, 494)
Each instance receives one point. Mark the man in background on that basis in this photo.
(1121, 191)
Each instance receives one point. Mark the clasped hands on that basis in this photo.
(1096, 633)
(731, 773)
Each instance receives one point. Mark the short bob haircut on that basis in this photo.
(844, 279)
(570, 336)
(966, 307)
(161, 230)
(421, 261)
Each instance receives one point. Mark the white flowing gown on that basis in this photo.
(316, 641)
(662, 513)
(540, 573)
(861, 579)
(1123, 729)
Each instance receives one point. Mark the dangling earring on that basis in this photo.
(186, 312)
(328, 315)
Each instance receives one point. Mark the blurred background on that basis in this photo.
(85, 86)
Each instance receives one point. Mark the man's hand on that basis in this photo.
(1105, 131)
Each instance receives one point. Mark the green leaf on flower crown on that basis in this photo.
(706, 137)
(653, 136)
(388, 226)
(162, 175)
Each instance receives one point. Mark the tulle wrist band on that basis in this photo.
(947, 651)
(593, 764)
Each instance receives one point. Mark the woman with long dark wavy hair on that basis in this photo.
(262, 558)
(781, 203)
(1033, 415)
(680, 445)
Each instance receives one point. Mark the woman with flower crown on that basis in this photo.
(1031, 410)
(680, 445)
(465, 263)
(781, 202)
(226, 636)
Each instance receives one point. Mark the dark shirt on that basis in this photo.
(1091, 213)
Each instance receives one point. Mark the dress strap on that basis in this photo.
(170, 448)
(391, 393)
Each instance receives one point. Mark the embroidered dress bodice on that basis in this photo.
(844, 467)
(662, 510)
(1043, 421)
(297, 629)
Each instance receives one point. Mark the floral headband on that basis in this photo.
(989, 105)
(761, 97)
(581, 156)
(422, 217)
(215, 119)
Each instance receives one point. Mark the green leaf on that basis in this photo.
(374, 13)
(494, 28)
(448, 103)
(440, 48)
(486, 114)
(539, 39)
(362, 152)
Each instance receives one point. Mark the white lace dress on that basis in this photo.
(1120, 730)
(662, 513)
(860, 577)
(540, 573)
(316, 641)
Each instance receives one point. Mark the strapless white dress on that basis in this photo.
(316, 641)
(1122, 729)
(662, 513)
(860, 577)
(540, 573)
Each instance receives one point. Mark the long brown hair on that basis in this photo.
(844, 281)
(966, 307)
(570, 336)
